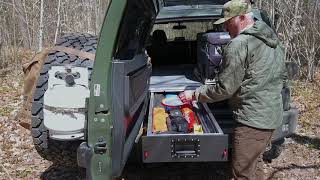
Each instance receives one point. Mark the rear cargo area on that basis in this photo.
(163, 143)
(180, 133)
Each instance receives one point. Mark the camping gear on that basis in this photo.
(190, 116)
(197, 129)
(179, 124)
(160, 120)
(172, 101)
(209, 52)
(175, 113)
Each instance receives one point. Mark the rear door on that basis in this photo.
(119, 89)
(131, 73)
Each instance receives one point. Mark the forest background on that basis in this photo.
(28, 26)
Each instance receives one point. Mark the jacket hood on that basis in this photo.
(263, 32)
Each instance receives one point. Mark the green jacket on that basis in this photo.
(252, 78)
(262, 15)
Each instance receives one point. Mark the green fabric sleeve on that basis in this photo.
(281, 53)
(231, 77)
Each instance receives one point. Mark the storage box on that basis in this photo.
(210, 146)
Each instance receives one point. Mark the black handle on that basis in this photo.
(185, 148)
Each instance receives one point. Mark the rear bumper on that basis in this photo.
(191, 148)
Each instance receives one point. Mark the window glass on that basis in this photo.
(188, 32)
(134, 30)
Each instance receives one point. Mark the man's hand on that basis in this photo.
(187, 96)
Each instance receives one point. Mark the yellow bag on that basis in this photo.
(160, 120)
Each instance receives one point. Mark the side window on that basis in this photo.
(135, 27)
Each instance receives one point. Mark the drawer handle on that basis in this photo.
(185, 148)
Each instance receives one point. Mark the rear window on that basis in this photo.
(134, 31)
(193, 2)
(189, 33)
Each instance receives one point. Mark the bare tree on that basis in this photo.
(23, 27)
(14, 32)
(41, 26)
(58, 22)
(22, 22)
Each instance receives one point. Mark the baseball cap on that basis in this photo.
(234, 8)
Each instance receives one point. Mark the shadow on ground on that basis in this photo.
(56, 172)
(291, 167)
(178, 171)
(163, 171)
(312, 142)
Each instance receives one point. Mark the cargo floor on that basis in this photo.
(177, 78)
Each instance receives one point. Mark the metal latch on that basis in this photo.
(100, 147)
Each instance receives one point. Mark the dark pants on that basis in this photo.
(248, 146)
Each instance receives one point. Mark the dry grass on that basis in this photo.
(300, 158)
(10, 61)
(18, 157)
(306, 97)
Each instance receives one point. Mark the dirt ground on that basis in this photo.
(300, 158)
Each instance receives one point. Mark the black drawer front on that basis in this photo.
(185, 148)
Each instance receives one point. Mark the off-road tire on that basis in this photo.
(58, 172)
(59, 152)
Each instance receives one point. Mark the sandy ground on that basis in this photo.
(19, 160)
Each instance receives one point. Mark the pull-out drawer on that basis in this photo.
(210, 146)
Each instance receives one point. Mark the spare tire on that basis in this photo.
(59, 152)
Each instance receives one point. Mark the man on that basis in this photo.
(252, 75)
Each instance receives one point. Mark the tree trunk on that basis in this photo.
(58, 23)
(295, 19)
(14, 34)
(41, 27)
(97, 8)
(2, 57)
(27, 23)
(22, 23)
(260, 3)
(89, 10)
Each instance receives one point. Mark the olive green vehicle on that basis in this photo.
(95, 113)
